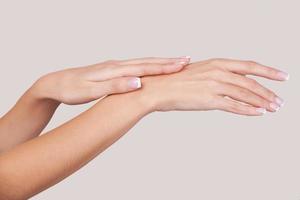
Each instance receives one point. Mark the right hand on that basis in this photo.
(215, 84)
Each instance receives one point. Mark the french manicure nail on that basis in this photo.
(184, 62)
(279, 101)
(274, 106)
(261, 110)
(181, 63)
(135, 83)
(284, 76)
(186, 57)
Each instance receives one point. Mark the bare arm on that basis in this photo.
(80, 85)
(37, 164)
(25, 120)
(200, 86)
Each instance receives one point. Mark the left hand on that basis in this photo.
(85, 84)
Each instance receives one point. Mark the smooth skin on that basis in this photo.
(36, 107)
(215, 84)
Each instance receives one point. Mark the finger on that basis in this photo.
(243, 95)
(114, 86)
(251, 85)
(154, 60)
(252, 68)
(238, 108)
(149, 69)
(135, 70)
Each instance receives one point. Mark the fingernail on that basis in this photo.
(186, 57)
(283, 76)
(181, 63)
(274, 106)
(135, 83)
(261, 110)
(279, 101)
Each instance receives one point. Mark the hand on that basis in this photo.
(85, 84)
(215, 84)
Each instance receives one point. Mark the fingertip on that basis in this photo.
(261, 111)
(139, 82)
(283, 76)
(182, 63)
(186, 57)
(135, 83)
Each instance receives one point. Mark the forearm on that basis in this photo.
(48, 159)
(75, 86)
(26, 119)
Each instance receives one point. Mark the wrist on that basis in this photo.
(38, 92)
(145, 101)
(150, 95)
(141, 101)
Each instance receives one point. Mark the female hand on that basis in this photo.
(85, 84)
(219, 84)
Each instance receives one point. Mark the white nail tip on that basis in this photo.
(287, 77)
(183, 62)
(138, 83)
(261, 110)
(186, 57)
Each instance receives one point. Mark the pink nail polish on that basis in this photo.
(274, 106)
(279, 101)
(135, 83)
(283, 76)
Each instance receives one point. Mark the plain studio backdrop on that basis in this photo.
(175, 155)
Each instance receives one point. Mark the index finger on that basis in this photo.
(154, 60)
(145, 69)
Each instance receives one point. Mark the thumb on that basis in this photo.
(117, 85)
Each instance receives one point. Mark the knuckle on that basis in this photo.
(251, 65)
(253, 83)
(143, 70)
(243, 92)
(116, 85)
(154, 69)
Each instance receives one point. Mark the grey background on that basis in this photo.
(175, 155)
